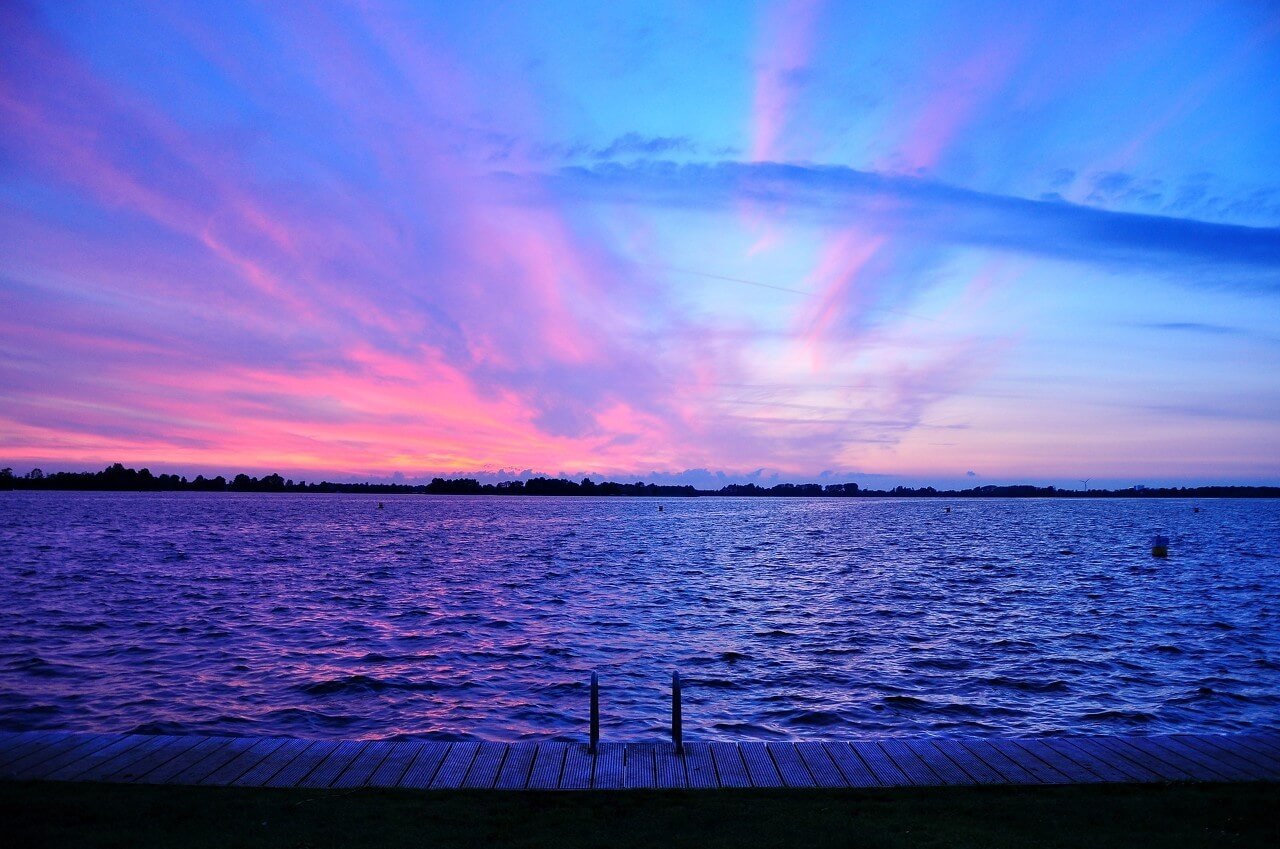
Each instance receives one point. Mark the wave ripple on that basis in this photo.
(482, 618)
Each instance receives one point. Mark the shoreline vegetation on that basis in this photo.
(1098, 816)
(118, 478)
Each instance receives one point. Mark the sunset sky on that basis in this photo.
(898, 242)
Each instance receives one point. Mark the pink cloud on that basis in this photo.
(455, 333)
(1186, 100)
(786, 44)
(836, 277)
(958, 93)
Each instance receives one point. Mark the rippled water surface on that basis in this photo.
(325, 616)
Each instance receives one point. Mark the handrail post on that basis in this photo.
(677, 729)
(595, 713)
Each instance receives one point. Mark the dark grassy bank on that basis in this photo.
(98, 815)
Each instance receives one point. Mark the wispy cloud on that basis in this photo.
(368, 239)
(628, 146)
(834, 194)
(1196, 327)
(786, 38)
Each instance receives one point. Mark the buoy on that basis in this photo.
(380, 505)
(948, 509)
(659, 508)
(1195, 509)
(1159, 546)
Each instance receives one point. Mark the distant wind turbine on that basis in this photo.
(1085, 481)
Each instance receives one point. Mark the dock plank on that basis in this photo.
(82, 754)
(1263, 742)
(87, 764)
(910, 763)
(72, 746)
(1103, 767)
(760, 766)
(331, 767)
(424, 766)
(790, 765)
(1270, 764)
(1247, 748)
(1012, 771)
(610, 770)
(1136, 768)
(1012, 760)
(1259, 743)
(359, 770)
(547, 765)
(731, 771)
(7, 736)
(11, 740)
(1226, 754)
(1269, 734)
(1190, 762)
(578, 767)
(395, 765)
(284, 762)
(1073, 770)
(638, 766)
(483, 773)
(122, 760)
(243, 762)
(1228, 771)
(514, 774)
(852, 767)
(214, 760)
(1161, 766)
(454, 768)
(302, 765)
(263, 770)
(938, 763)
(974, 767)
(700, 768)
(163, 773)
(156, 758)
(824, 770)
(881, 765)
(25, 743)
(669, 767)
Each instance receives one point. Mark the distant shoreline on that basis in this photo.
(118, 478)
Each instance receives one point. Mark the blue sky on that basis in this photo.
(892, 242)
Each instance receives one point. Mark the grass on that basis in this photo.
(110, 815)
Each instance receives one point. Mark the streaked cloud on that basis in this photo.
(930, 209)
(678, 243)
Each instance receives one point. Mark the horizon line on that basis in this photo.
(144, 474)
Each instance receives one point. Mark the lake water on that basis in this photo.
(482, 618)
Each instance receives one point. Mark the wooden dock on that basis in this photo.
(285, 762)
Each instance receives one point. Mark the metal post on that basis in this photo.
(595, 713)
(677, 730)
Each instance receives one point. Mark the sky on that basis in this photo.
(942, 243)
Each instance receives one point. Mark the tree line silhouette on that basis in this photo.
(118, 478)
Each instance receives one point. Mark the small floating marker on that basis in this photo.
(660, 508)
(948, 509)
(381, 505)
(1159, 546)
(1195, 509)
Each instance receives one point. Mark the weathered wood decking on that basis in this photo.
(281, 762)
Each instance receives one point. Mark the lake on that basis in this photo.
(482, 618)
